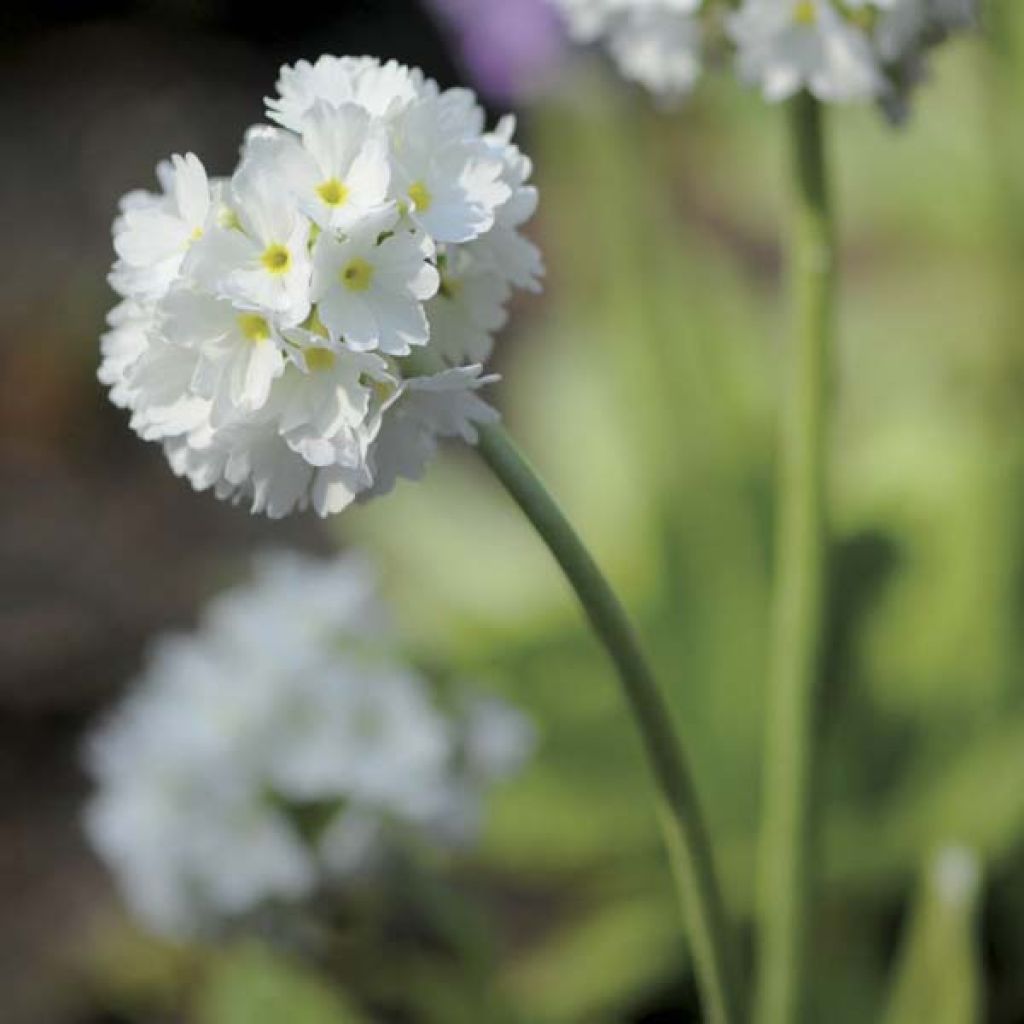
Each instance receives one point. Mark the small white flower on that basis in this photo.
(423, 410)
(153, 233)
(657, 43)
(289, 698)
(163, 403)
(660, 49)
(239, 351)
(468, 308)
(370, 285)
(383, 90)
(788, 45)
(130, 323)
(338, 171)
(325, 406)
(450, 182)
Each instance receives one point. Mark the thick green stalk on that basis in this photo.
(687, 838)
(787, 862)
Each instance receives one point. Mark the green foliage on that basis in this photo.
(248, 985)
(938, 979)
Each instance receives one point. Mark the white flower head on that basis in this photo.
(267, 314)
(838, 50)
(281, 748)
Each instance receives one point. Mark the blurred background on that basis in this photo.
(644, 384)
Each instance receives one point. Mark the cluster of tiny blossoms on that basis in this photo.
(839, 50)
(282, 748)
(267, 317)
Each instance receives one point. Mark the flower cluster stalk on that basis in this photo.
(686, 834)
(786, 855)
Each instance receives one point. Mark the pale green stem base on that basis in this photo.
(686, 835)
(786, 855)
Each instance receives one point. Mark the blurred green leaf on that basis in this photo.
(251, 985)
(938, 979)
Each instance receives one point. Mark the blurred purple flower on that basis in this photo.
(507, 46)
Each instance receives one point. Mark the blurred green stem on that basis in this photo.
(786, 860)
(687, 838)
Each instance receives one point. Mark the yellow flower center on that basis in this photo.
(253, 327)
(228, 219)
(420, 196)
(318, 359)
(197, 233)
(805, 12)
(276, 258)
(357, 275)
(333, 192)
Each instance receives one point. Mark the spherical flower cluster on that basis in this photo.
(839, 50)
(268, 317)
(282, 748)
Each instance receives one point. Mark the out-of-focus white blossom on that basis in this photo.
(783, 46)
(838, 50)
(266, 316)
(657, 43)
(282, 747)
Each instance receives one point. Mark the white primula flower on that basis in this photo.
(163, 403)
(784, 46)
(370, 285)
(325, 406)
(269, 316)
(839, 50)
(657, 43)
(239, 351)
(282, 748)
(422, 411)
(383, 90)
(450, 182)
(130, 323)
(153, 233)
(468, 308)
(338, 170)
(659, 46)
(504, 250)
(263, 260)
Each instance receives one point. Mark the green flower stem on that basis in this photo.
(686, 835)
(786, 864)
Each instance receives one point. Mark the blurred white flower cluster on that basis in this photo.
(282, 748)
(266, 316)
(839, 50)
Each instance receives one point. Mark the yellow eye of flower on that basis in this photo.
(319, 359)
(357, 275)
(228, 219)
(420, 196)
(253, 327)
(805, 12)
(276, 258)
(197, 233)
(333, 192)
